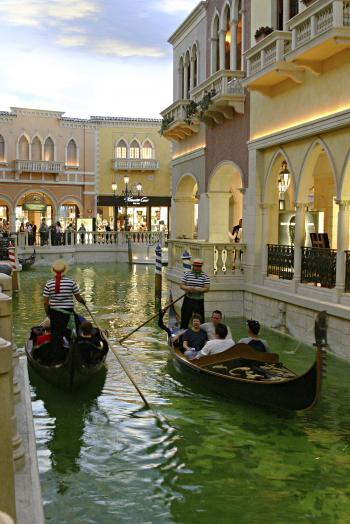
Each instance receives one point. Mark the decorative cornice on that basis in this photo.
(199, 10)
(43, 113)
(112, 121)
(189, 156)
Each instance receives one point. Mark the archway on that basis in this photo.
(32, 207)
(186, 207)
(69, 210)
(6, 215)
(224, 202)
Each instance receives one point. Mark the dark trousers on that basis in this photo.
(190, 306)
(59, 323)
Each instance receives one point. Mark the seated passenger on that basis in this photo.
(209, 327)
(194, 337)
(90, 334)
(253, 340)
(219, 344)
(44, 338)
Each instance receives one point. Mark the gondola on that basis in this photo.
(82, 361)
(246, 374)
(27, 261)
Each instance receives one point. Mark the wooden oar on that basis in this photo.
(149, 320)
(120, 360)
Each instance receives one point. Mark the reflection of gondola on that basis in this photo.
(244, 373)
(82, 361)
(70, 413)
(27, 261)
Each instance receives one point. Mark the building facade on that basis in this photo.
(133, 148)
(47, 167)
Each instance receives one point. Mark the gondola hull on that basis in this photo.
(27, 262)
(70, 374)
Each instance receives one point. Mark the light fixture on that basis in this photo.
(126, 179)
(228, 38)
(114, 187)
(284, 178)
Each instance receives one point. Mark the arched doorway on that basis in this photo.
(32, 207)
(186, 208)
(224, 203)
(68, 213)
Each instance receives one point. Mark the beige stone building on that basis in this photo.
(47, 167)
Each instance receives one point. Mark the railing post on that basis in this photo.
(342, 245)
(313, 26)
(299, 241)
(338, 13)
(158, 273)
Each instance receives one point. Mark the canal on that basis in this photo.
(104, 459)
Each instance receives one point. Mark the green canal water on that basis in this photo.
(105, 459)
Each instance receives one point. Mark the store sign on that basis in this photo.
(138, 201)
(34, 202)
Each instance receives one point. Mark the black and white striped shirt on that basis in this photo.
(192, 279)
(65, 298)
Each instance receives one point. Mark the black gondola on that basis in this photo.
(82, 361)
(27, 261)
(249, 375)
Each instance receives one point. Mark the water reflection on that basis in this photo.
(69, 413)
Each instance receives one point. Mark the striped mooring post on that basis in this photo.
(158, 273)
(15, 273)
(186, 260)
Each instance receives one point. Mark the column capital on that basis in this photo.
(342, 203)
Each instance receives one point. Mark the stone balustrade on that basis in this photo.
(268, 53)
(39, 166)
(135, 164)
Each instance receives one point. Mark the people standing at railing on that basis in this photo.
(195, 283)
(236, 235)
(70, 232)
(44, 232)
(34, 233)
(108, 235)
(82, 233)
(29, 229)
(58, 234)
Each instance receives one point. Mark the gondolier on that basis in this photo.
(59, 296)
(195, 283)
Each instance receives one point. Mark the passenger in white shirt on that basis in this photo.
(219, 344)
(209, 327)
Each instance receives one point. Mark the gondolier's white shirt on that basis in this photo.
(65, 298)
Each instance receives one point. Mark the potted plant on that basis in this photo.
(262, 32)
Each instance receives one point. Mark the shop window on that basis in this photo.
(2, 149)
(147, 150)
(23, 149)
(121, 150)
(72, 153)
(134, 149)
(49, 150)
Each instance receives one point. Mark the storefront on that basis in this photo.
(144, 213)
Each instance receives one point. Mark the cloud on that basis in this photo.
(71, 41)
(126, 49)
(175, 6)
(40, 12)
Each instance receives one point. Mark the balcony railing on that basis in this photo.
(280, 261)
(226, 94)
(176, 123)
(135, 164)
(319, 32)
(39, 166)
(318, 266)
(266, 65)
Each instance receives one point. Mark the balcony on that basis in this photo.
(319, 32)
(220, 96)
(266, 63)
(38, 166)
(177, 124)
(135, 164)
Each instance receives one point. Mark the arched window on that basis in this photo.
(72, 153)
(187, 75)
(215, 48)
(2, 149)
(281, 17)
(195, 65)
(36, 149)
(121, 150)
(227, 27)
(49, 150)
(181, 79)
(23, 148)
(239, 38)
(134, 149)
(147, 150)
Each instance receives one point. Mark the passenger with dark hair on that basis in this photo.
(194, 337)
(209, 327)
(219, 344)
(253, 340)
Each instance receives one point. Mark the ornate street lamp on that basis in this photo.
(283, 184)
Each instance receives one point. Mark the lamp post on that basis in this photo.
(127, 194)
(283, 184)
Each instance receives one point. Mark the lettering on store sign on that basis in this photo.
(136, 201)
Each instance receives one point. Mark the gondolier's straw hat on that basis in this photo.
(60, 266)
(197, 262)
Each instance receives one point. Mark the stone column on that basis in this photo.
(298, 241)
(233, 50)
(222, 36)
(265, 215)
(185, 81)
(184, 217)
(192, 73)
(342, 246)
(286, 14)
(218, 214)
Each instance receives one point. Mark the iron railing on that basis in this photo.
(280, 261)
(318, 266)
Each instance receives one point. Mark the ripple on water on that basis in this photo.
(105, 459)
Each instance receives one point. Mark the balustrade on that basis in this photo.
(135, 164)
(280, 261)
(318, 266)
(39, 166)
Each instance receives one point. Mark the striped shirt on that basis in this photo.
(192, 279)
(65, 298)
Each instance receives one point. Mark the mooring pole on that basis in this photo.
(158, 273)
(186, 260)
